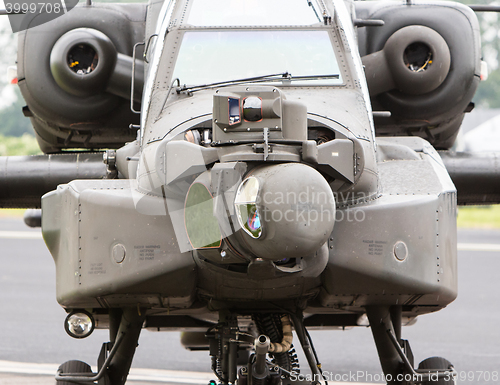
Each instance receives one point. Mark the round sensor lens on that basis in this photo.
(252, 109)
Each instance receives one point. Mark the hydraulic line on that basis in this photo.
(279, 330)
(286, 342)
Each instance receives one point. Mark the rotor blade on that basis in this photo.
(24, 179)
(475, 175)
(485, 8)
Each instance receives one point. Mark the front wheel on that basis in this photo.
(437, 363)
(73, 367)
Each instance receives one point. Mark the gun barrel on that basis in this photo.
(24, 179)
(261, 348)
(475, 175)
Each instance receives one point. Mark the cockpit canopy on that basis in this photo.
(230, 13)
(237, 54)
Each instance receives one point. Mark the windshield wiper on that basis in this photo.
(309, 2)
(284, 76)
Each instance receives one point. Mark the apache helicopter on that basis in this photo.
(264, 165)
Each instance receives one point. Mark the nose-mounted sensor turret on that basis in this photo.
(244, 114)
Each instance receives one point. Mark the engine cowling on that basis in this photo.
(75, 75)
(415, 60)
(423, 65)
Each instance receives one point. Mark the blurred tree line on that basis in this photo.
(488, 93)
(13, 122)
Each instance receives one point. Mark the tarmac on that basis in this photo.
(17, 379)
(23, 373)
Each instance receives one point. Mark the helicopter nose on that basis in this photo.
(284, 211)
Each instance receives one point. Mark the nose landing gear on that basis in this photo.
(273, 361)
(116, 356)
(396, 356)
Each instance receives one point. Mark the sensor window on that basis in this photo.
(234, 110)
(245, 203)
(202, 227)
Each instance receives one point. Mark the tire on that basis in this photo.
(434, 363)
(73, 366)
